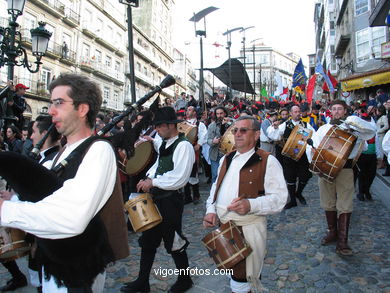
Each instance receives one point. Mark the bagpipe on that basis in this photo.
(33, 182)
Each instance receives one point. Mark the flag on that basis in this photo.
(285, 94)
(299, 76)
(319, 69)
(333, 81)
(310, 88)
(263, 92)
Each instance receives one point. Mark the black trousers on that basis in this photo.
(293, 169)
(367, 165)
(171, 209)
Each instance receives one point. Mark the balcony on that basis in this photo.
(343, 38)
(71, 18)
(86, 64)
(69, 58)
(54, 50)
(36, 89)
(26, 38)
(106, 44)
(54, 7)
(89, 30)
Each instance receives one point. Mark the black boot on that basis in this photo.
(301, 186)
(141, 284)
(18, 279)
(293, 202)
(184, 281)
(187, 194)
(195, 190)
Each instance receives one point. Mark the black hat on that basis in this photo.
(165, 115)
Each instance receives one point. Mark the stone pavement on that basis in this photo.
(295, 261)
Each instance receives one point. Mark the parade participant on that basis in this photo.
(266, 143)
(193, 182)
(283, 116)
(87, 191)
(337, 197)
(169, 173)
(250, 185)
(292, 169)
(386, 145)
(214, 133)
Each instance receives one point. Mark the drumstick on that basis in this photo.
(227, 211)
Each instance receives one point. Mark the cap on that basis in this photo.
(21, 86)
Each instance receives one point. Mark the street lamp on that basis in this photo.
(201, 33)
(228, 34)
(129, 4)
(11, 51)
(254, 67)
(243, 44)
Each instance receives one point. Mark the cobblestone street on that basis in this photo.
(295, 261)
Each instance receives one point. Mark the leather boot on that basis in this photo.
(293, 202)
(195, 190)
(187, 194)
(342, 235)
(301, 186)
(331, 236)
(141, 284)
(184, 281)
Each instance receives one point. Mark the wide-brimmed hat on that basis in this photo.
(165, 115)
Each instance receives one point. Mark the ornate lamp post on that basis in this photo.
(11, 51)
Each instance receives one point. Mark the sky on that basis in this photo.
(286, 25)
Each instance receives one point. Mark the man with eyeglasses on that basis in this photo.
(292, 169)
(249, 186)
(80, 227)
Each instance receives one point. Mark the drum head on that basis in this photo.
(227, 141)
(142, 155)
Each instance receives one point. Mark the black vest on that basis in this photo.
(75, 261)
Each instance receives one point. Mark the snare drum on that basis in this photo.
(226, 144)
(190, 131)
(12, 244)
(143, 213)
(143, 154)
(227, 245)
(332, 153)
(296, 143)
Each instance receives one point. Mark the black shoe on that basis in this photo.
(14, 284)
(360, 196)
(302, 200)
(136, 287)
(181, 285)
(368, 196)
(290, 205)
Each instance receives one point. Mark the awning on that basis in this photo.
(368, 79)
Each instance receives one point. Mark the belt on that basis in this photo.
(348, 164)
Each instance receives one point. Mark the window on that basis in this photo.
(30, 21)
(45, 78)
(108, 61)
(86, 53)
(145, 71)
(116, 99)
(98, 56)
(361, 6)
(106, 93)
(368, 42)
(51, 29)
(99, 26)
(139, 67)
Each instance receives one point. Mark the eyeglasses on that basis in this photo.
(58, 102)
(242, 130)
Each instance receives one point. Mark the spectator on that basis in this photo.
(13, 139)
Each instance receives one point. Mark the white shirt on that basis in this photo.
(277, 133)
(386, 145)
(183, 160)
(67, 211)
(367, 131)
(274, 185)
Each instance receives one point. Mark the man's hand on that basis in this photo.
(6, 195)
(145, 185)
(240, 206)
(210, 220)
(216, 140)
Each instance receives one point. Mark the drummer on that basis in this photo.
(336, 198)
(169, 173)
(292, 169)
(193, 182)
(266, 193)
